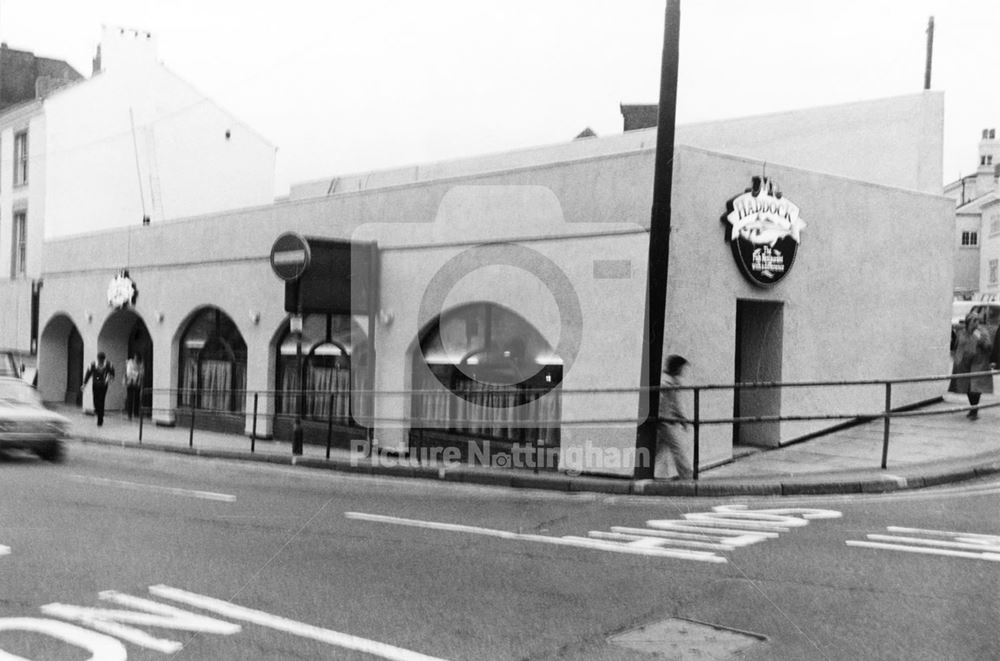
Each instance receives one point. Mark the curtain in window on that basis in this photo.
(216, 385)
(329, 386)
(490, 411)
(289, 385)
(189, 382)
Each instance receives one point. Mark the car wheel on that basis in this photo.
(54, 452)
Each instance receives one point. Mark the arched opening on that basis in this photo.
(334, 368)
(212, 365)
(60, 361)
(483, 372)
(125, 334)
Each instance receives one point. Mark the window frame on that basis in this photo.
(19, 244)
(21, 158)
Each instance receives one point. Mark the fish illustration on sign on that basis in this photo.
(763, 218)
(765, 230)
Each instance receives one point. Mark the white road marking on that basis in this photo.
(726, 528)
(945, 533)
(204, 495)
(232, 611)
(4, 550)
(935, 542)
(993, 557)
(580, 542)
(101, 647)
(113, 622)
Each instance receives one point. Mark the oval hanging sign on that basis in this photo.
(765, 232)
(122, 291)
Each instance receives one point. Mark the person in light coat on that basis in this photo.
(972, 354)
(671, 433)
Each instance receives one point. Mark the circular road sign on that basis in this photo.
(290, 256)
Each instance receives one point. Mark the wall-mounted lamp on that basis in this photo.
(386, 317)
(159, 317)
(90, 317)
(254, 317)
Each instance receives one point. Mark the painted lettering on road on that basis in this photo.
(148, 613)
(973, 546)
(109, 627)
(335, 638)
(101, 647)
(698, 536)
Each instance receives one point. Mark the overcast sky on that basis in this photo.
(342, 87)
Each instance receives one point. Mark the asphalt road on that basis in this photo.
(268, 562)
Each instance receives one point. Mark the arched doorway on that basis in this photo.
(125, 334)
(334, 369)
(60, 361)
(483, 373)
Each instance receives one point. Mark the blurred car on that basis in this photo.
(8, 366)
(987, 311)
(26, 424)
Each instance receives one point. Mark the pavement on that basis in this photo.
(934, 445)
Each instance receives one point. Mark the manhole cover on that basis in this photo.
(687, 640)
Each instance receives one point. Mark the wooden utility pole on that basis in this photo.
(659, 247)
(930, 52)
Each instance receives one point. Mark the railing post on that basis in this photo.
(140, 416)
(697, 433)
(253, 432)
(329, 426)
(885, 427)
(191, 432)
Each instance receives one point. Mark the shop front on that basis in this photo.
(510, 304)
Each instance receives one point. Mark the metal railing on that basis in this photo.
(422, 424)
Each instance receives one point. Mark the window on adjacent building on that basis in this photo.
(21, 158)
(970, 238)
(995, 224)
(993, 271)
(20, 244)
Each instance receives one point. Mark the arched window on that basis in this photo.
(213, 363)
(334, 364)
(484, 371)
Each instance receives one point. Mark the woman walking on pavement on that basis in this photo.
(972, 354)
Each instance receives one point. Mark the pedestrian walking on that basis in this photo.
(671, 437)
(973, 350)
(133, 386)
(102, 372)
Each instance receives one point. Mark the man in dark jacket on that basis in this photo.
(103, 372)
